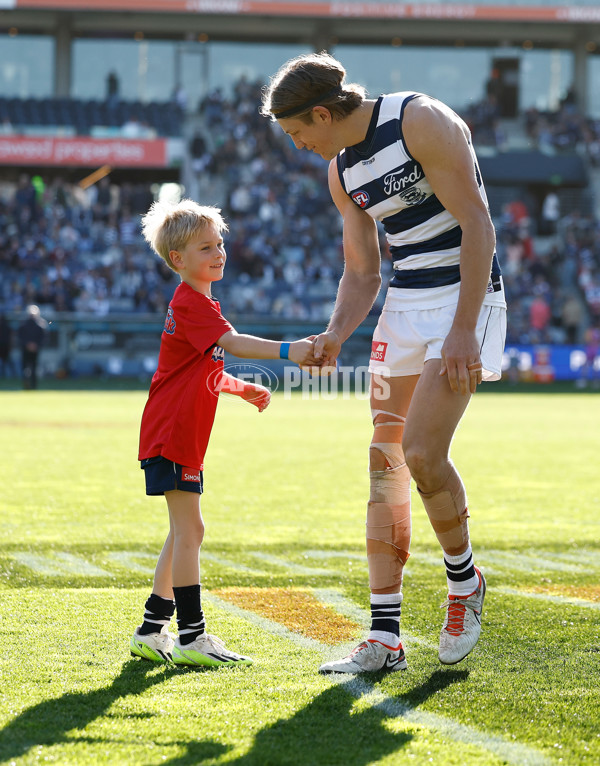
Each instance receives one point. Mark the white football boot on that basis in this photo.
(369, 657)
(208, 651)
(157, 647)
(462, 624)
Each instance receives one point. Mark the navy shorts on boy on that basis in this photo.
(163, 475)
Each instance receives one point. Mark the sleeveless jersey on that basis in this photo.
(381, 177)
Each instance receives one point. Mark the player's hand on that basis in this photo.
(327, 349)
(461, 361)
(257, 395)
(302, 353)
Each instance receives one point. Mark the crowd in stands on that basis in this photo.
(68, 249)
(565, 130)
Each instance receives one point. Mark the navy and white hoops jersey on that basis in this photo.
(382, 178)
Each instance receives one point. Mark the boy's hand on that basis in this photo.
(302, 352)
(257, 395)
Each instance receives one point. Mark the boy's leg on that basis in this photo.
(152, 640)
(188, 532)
(433, 416)
(388, 529)
(193, 646)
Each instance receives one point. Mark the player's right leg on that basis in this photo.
(388, 530)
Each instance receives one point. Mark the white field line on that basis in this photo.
(511, 752)
(268, 558)
(571, 600)
(228, 563)
(59, 564)
(129, 560)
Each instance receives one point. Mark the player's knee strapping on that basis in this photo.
(448, 514)
(388, 511)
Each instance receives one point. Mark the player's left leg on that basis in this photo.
(434, 414)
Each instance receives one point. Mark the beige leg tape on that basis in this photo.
(388, 510)
(448, 514)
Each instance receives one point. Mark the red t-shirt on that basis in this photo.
(182, 402)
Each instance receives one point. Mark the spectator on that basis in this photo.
(31, 337)
(5, 346)
(572, 317)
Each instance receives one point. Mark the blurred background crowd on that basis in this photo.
(69, 249)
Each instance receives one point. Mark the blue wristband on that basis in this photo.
(284, 351)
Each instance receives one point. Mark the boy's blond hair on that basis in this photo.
(170, 225)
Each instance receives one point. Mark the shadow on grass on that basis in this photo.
(328, 731)
(49, 722)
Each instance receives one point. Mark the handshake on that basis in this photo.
(316, 354)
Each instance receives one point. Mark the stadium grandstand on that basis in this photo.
(106, 105)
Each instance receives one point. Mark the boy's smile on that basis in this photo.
(202, 260)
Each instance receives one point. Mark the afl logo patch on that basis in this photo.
(361, 198)
(170, 323)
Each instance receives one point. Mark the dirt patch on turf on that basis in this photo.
(295, 608)
(586, 592)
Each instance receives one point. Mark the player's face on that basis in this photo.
(203, 258)
(318, 136)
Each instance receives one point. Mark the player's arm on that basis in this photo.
(361, 279)
(438, 140)
(253, 393)
(251, 347)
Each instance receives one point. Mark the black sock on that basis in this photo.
(158, 613)
(190, 617)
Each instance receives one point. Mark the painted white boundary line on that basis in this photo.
(512, 752)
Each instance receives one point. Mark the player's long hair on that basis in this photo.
(304, 78)
(170, 225)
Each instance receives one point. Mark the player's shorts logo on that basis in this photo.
(378, 351)
(361, 198)
(190, 474)
(170, 323)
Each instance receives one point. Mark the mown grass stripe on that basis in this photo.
(512, 752)
(570, 600)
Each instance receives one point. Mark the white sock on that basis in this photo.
(461, 576)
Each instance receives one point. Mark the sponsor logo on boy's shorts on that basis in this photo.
(170, 323)
(378, 350)
(190, 474)
(361, 198)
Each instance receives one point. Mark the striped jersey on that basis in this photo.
(381, 177)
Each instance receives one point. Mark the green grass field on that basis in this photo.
(285, 494)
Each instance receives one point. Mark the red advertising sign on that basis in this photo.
(82, 152)
(335, 9)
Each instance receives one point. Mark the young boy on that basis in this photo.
(177, 422)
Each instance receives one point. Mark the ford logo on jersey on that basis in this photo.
(170, 323)
(361, 198)
(400, 179)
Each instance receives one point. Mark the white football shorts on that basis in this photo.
(404, 340)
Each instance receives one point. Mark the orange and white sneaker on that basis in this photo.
(462, 624)
(369, 657)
